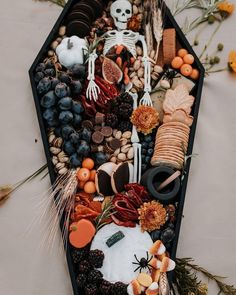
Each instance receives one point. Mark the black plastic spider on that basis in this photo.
(170, 74)
(143, 263)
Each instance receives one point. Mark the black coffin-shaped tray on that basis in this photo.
(196, 92)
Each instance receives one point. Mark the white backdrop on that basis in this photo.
(208, 228)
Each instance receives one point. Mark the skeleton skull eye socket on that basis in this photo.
(127, 11)
(118, 10)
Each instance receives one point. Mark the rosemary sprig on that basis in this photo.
(7, 190)
(187, 281)
(107, 211)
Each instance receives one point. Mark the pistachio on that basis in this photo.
(139, 50)
(50, 53)
(57, 142)
(137, 2)
(135, 9)
(140, 15)
(142, 80)
(137, 64)
(138, 83)
(54, 160)
(51, 138)
(127, 134)
(54, 150)
(130, 153)
(132, 75)
(118, 135)
(63, 171)
(124, 141)
(152, 54)
(158, 69)
(121, 157)
(108, 139)
(62, 31)
(59, 39)
(54, 45)
(114, 132)
(140, 73)
(133, 90)
(116, 152)
(135, 78)
(155, 76)
(124, 149)
(59, 166)
(113, 159)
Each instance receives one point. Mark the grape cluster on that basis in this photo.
(147, 143)
(62, 110)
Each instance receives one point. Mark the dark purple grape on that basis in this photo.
(155, 235)
(66, 131)
(83, 149)
(65, 117)
(55, 81)
(77, 120)
(147, 160)
(44, 85)
(53, 123)
(65, 103)
(65, 78)
(86, 135)
(144, 145)
(143, 151)
(49, 72)
(68, 147)
(50, 114)
(100, 158)
(75, 161)
(38, 76)
(62, 90)
(40, 67)
(77, 107)
(78, 71)
(76, 87)
(49, 65)
(74, 138)
(148, 138)
(57, 131)
(150, 152)
(48, 100)
(167, 235)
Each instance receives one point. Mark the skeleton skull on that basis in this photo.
(121, 12)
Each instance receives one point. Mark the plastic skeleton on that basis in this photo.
(121, 12)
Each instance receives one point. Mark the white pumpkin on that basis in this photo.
(71, 51)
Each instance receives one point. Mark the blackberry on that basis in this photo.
(111, 120)
(119, 288)
(78, 255)
(84, 267)
(81, 280)
(125, 97)
(96, 258)
(125, 110)
(125, 126)
(105, 288)
(91, 289)
(95, 276)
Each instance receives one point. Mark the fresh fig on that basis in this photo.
(111, 71)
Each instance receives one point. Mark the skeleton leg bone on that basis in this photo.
(92, 90)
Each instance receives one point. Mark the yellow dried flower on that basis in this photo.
(226, 8)
(152, 215)
(232, 60)
(145, 118)
(203, 289)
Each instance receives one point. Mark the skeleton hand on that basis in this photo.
(92, 90)
(146, 99)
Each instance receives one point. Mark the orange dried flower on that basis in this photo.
(232, 60)
(134, 24)
(152, 215)
(145, 118)
(226, 8)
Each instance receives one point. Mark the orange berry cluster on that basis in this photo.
(183, 61)
(86, 176)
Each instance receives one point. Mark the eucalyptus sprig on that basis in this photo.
(186, 279)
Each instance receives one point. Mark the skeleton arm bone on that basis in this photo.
(146, 100)
(92, 90)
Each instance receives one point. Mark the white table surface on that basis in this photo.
(208, 227)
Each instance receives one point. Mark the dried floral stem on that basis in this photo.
(7, 190)
(185, 265)
(101, 220)
(210, 39)
(60, 3)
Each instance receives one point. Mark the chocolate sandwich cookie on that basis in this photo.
(86, 8)
(96, 5)
(79, 28)
(79, 15)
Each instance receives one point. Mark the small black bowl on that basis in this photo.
(152, 179)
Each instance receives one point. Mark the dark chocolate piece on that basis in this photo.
(87, 124)
(115, 144)
(99, 118)
(97, 137)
